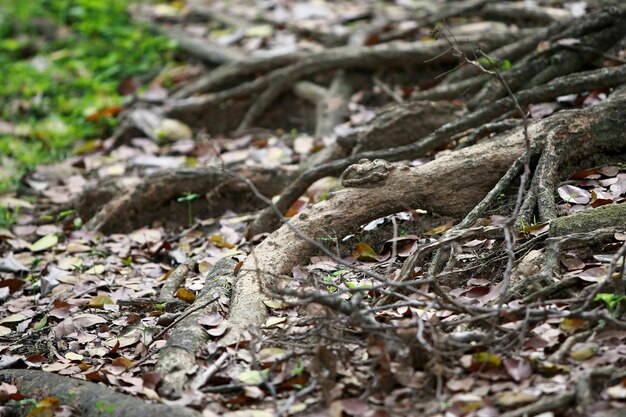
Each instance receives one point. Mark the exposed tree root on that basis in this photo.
(586, 384)
(87, 398)
(155, 197)
(462, 184)
(547, 404)
(563, 85)
(395, 127)
(178, 356)
(278, 81)
(379, 189)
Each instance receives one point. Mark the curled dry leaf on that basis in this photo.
(573, 194)
(518, 369)
(364, 252)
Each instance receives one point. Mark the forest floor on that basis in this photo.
(318, 208)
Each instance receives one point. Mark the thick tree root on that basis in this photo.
(178, 356)
(87, 398)
(378, 56)
(155, 197)
(580, 82)
(378, 189)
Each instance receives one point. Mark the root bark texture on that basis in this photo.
(188, 337)
(87, 398)
(155, 197)
(463, 177)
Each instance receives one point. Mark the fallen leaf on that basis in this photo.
(364, 252)
(10, 264)
(217, 331)
(72, 356)
(617, 392)
(354, 406)
(511, 399)
(573, 194)
(220, 242)
(44, 243)
(518, 369)
(595, 274)
(583, 352)
(296, 208)
(253, 377)
(486, 358)
(14, 318)
(457, 385)
(273, 321)
(269, 355)
(572, 325)
(211, 320)
(122, 362)
(96, 270)
(55, 367)
(99, 301)
(45, 408)
(186, 295)
(171, 130)
(438, 230)
(88, 320)
(12, 284)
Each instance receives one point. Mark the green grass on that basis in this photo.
(50, 84)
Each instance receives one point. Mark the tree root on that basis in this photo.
(178, 356)
(378, 189)
(581, 82)
(155, 197)
(85, 397)
(278, 81)
(582, 397)
(553, 403)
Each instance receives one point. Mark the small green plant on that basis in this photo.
(35, 263)
(8, 217)
(491, 63)
(102, 407)
(329, 279)
(611, 300)
(144, 331)
(127, 261)
(188, 197)
(97, 254)
(527, 228)
(65, 213)
(298, 370)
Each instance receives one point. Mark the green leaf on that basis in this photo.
(253, 377)
(41, 323)
(187, 197)
(44, 243)
(490, 358)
